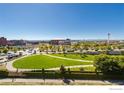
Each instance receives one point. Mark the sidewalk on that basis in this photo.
(22, 81)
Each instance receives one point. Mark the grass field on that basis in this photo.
(77, 56)
(42, 61)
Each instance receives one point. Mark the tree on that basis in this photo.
(109, 48)
(19, 48)
(46, 48)
(62, 69)
(64, 51)
(5, 51)
(43, 73)
(76, 46)
(81, 69)
(83, 55)
(15, 50)
(108, 65)
(96, 49)
(69, 71)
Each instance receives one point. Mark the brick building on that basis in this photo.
(3, 41)
(16, 42)
(60, 42)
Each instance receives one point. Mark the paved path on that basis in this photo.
(9, 64)
(60, 81)
(10, 67)
(67, 58)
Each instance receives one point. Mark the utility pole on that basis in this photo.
(108, 41)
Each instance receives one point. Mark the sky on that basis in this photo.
(61, 21)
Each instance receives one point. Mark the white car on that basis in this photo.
(3, 59)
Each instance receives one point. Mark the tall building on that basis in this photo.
(3, 41)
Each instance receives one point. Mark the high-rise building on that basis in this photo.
(3, 41)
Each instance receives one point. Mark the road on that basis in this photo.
(9, 65)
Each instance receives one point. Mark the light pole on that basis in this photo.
(108, 41)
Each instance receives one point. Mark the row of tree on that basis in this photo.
(10, 48)
(80, 46)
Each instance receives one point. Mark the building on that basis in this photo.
(3, 41)
(17, 42)
(60, 42)
(32, 42)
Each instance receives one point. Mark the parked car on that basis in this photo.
(10, 55)
(2, 54)
(3, 59)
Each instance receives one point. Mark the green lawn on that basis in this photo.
(77, 56)
(40, 61)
